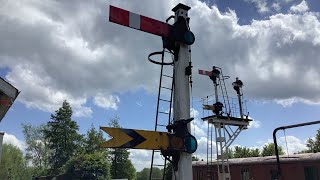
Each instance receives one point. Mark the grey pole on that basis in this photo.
(181, 105)
(1, 140)
(240, 105)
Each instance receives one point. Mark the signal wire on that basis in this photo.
(285, 138)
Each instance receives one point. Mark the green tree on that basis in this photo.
(314, 145)
(93, 140)
(243, 152)
(121, 165)
(268, 150)
(195, 158)
(62, 137)
(230, 153)
(88, 166)
(36, 148)
(145, 173)
(169, 172)
(255, 152)
(13, 164)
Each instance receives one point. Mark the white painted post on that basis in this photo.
(181, 101)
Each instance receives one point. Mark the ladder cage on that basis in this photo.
(163, 114)
(234, 106)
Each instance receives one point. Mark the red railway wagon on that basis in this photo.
(293, 167)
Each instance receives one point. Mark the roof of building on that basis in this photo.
(269, 159)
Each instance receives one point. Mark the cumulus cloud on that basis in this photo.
(271, 50)
(201, 152)
(290, 101)
(292, 144)
(194, 113)
(300, 8)
(198, 128)
(106, 102)
(254, 124)
(142, 158)
(261, 5)
(12, 139)
(58, 50)
(83, 112)
(276, 6)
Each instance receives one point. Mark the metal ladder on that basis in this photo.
(209, 152)
(224, 93)
(222, 152)
(163, 118)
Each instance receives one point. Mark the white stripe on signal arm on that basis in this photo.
(134, 20)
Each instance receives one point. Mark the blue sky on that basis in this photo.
(65, 50)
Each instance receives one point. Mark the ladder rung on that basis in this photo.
(167, 76)
(222, 156)
(166, 88)
(163, 112)
(161, 125)
(164, 100)
(158, 165)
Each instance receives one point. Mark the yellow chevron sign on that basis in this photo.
(140, 139)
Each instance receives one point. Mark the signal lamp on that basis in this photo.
(190, 144)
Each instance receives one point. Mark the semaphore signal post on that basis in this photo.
(178, 143)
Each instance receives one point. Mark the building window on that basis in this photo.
(245, 174)
(311, 173)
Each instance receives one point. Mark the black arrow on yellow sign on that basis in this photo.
(141, 139)
(136, 138)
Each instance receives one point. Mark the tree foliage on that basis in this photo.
(13, 164)
(195, 158)
(93, 140)
(145, 173)
(36, 148)
(243, 152)
(62, 137)
(169, 172)
(88, 166)
(268, 150)
(121, 165)
(314, 144)
(57, 148)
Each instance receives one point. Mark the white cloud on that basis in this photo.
(300, 8)
(198, 128)
(194, 113)
(106, 102)
(12, 139)
(290, 101)
(83, 112)
(261, 5)
(139, 103)
(64, 50)
(293, 144)
(201, 152)
(254, 124)
(276, 6)
(142, 158)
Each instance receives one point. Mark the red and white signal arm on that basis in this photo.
(8, 94)
(206, 73)
(139, 22)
